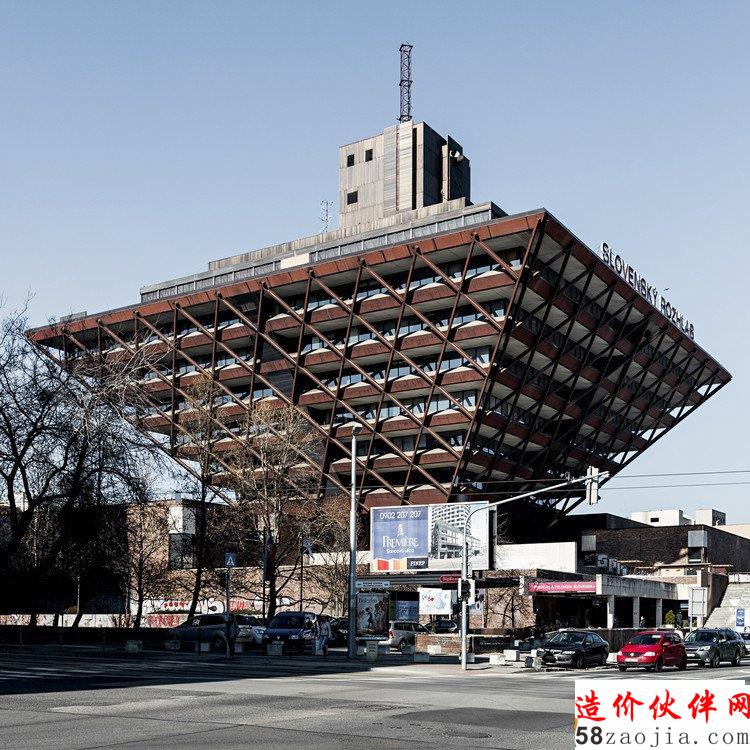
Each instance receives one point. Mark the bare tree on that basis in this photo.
(276, 489)
(205, 430)
(64, 442)
(138, 531)
(328, 578)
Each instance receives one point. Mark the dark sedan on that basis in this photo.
(575, 648)
(442, 627)
(293, 629)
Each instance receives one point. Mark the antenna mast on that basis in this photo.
(405, 83)
(325, 217)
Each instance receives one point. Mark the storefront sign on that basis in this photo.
(411, 538)
(368, 585)
(645, 289)
(562, 587)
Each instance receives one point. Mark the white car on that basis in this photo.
(254, 628)
(404, 633)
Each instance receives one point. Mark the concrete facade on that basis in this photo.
(407, 167)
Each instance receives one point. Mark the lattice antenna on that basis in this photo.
(325, 213)
(405, 83)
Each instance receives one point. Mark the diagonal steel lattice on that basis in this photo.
(582, 370)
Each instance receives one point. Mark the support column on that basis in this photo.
(659, 613)
(610, 612)
(636, 612)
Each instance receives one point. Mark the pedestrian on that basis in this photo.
(233, 630)
(642, 622)
(324, 630)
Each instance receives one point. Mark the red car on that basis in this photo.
(653, 650)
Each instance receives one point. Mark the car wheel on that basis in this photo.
(218, 643)
(401, 644)
(715, 661)
(736, 659)
(621, 668)
(578, 662)
(682, 666)
(659, 665)
(603, 660)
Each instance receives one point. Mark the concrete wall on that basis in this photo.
(654, 545)
(664, 517)
(555, 556)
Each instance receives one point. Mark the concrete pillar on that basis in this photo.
(610, 612)
(659, 613)
(636, 612)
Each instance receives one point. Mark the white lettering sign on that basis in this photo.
(645, 289)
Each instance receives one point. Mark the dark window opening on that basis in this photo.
(351, 198)
(350, 160)
(368, 154)
(181, 551)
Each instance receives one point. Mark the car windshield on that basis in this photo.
(645, 639)
(566, 637)
(287, 621)
(701, 636)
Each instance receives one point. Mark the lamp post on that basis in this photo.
(352, 619)
(592, 480)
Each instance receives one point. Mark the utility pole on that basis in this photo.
(229, 573)
(230, 560)
(351, 635)
(592, 480)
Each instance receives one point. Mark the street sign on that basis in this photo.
(740, 618)
(450, 578)
(230, 560)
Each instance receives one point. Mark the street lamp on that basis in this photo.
(351, 633)
(592, 480)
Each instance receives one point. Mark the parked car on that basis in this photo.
(255, 625)
(441, 627)
(339, 631)
(211, 629)
(404, 632)
(653, 650)
(746, 642)
(293, 629)
(714, 645)
(575, 648)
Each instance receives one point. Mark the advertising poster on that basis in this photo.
(410, 538)
(436, 601)
(372, 614)
(407, 610)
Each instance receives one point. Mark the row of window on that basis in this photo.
(415, 406)
(372, 287)
(350, 157)
(407, 443)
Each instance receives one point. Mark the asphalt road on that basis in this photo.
(65, 702)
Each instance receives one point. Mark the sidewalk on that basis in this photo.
(336, 662)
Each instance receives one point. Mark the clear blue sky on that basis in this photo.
(140, 140)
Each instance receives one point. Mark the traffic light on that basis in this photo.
(467, 589)
(592, 485)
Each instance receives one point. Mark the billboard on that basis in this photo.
(436, 601)
(410, 538)
(372, 614)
